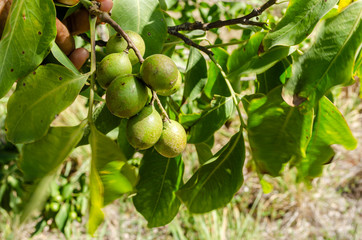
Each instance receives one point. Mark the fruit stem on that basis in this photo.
(155, 97)
(105, 17)
(92, 23)
(231, 89)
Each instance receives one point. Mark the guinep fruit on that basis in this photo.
(173, 140)
(144, 129)
(159, 72)
(112, 66)
(126, 96)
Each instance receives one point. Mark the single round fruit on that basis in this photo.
(117, 44)
(73, 215)
(126, 96)
(112, 66)
(172, 141)
(144, 129)
(173, 89)
(54, 206)
(159, 72)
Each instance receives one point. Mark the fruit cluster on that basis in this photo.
(127, 94)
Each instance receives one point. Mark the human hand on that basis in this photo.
(73, 25)
(76, 24)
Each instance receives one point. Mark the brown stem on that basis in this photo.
(245, 20)
(189, 42)
(105, 17)
(155, 97)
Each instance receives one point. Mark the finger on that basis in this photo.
(106, 5)
(64, 40)
(78, 57)
(78, 22)
(4, 12)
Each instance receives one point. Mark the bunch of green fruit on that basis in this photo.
(127, 94)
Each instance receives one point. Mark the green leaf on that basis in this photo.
(96, 215)
(62, 58)
(38, 98)
(195, 76)
(298, 22)
(250, 58)
(40, 162)
(329, 61)
(274, 76)
(277, 132)
(216, 83)
(109, 161)
(62, 216)
(167, 4)
(215, 183)
(26, 40)
(107, 175)
(122, 141)
(160, 178)
(104, 121)
(203, 152)
(211, 120)
(46, 155)
(144, 17)
(329, 128)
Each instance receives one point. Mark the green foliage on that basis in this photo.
(298, 22)
(26, 40)
(329, 128)
(38, 98)
(160, 178)
(290, 121)
(143, 17)
(216, 181)
(315, 72)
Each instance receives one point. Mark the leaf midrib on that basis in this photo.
(51, 92)
(216, 168)
(339, 51)
(12, 33)
(161, 188)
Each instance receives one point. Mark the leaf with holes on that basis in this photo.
(38, 98)
(26, 40)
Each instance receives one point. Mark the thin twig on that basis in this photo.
(105, 17)
(189, 42)
(155, 97)
(245, 20)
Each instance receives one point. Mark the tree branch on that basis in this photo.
(105, 17)
(245, 20)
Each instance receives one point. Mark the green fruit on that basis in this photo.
(173, 89)
(126, 96)
(117, 44)
(54, 206)
(159, 72)
(73, 215)
(144, 129)
(112, 66)
(172, 141)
